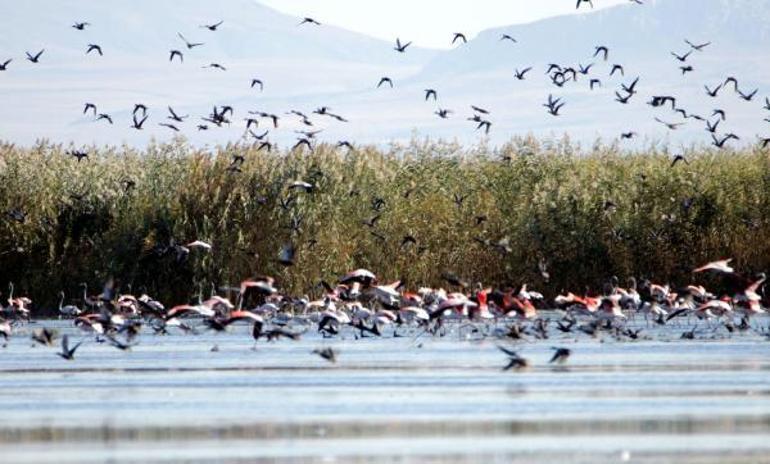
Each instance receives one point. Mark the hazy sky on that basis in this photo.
(428, 23)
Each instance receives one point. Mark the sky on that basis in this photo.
(429, 23)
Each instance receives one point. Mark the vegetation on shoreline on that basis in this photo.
(489, 216)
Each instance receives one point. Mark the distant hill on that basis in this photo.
(307, 67)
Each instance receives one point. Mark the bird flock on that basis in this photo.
(560, 75)
(359, 306)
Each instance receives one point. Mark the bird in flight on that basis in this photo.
(401, 48)
(96, 48)
(508, 37)
(35, 58)
(4, 66)
(258, 82)
(138, 123)
(80, 26)
(459, 36)
(308, 20)
(89, 106)
(430, 93)
(190, 45)
(67, 352)
(520, 75)
(603, 50)
(580, 2)
(697, 47)
(175, 117)
(385, 80)
(682, 58)
(215, 66)
(212, 27)
(670, 125)
(174, 53)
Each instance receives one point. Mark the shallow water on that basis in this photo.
(412, 399)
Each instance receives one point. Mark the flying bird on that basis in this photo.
(96, 48)
(212, 27)
(580, 2)
(508, 37)
(430, 93)
(67, 352)
(401, 48)
(80, 26)
(309, 21)
(35, 58)
(385, 80)
(4, 65)
(459, 36)
(258, 82)
(174, 53)
(190, 45)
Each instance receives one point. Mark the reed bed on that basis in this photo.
(486, 215)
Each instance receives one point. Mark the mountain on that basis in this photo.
(305, 67)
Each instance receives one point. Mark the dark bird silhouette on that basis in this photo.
(140, 107)
(721, 113)
(190, 45)
(580, 2)
(35, 58)
(385, 80)
(670, 125)
(4, 65)
(521, 75)
(487, 125)
(596, 82)
(327, 354)
(767, 104)
(616, 68)
(169, 126)
(401, 48)
(679, 158)
(89, 106)
(215, 66)
(104, 117)
(631, 89)
(212, 27)
(731, 80)
(459, 36)
(712, 127)
(628, 135)
(80, 26)
(258, 82)
(96, 48)
(695, 47)
(514, 360)
(79, 154)
(560, 355)
(430, 93)
(175, 117)
(67, 352)
(443, 113)
(508, 37)
(681, 58)
(601, 49)
(686, 69)
(748, 96)
(720, 143)
(174, 53)
(309, 21)
(713, 92)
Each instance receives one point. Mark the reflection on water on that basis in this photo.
(422, 400)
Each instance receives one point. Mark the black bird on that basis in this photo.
(508, 37)
(617, 67)
(175, 117)
(479, 109)
(258, 82)
(174, 53)
(89, 106)
(670, 125)
(170, 126)
(603, 50)
(767, 104)
(4, 66)
(622, 99)
(713, 92)
(748, 96)
(584, 70)
(212, 27)
(96, 48)
(443, 113)
(697, 47)
(560, 356)
(686, 69)
(80, 26)
(720, 143)
(459, 36)
(679, 158)
(309, 21)
(487, 125)
(720, 113)
(514, 360)
(580, 2)
(712, 127)
(765, 142)
(682, 58)
(520, 75)
(216, 66)
(105, 117)
(430, 93)
(628, 135)
(190, 45)
(630, 88)
(327, 354)
(67, 352)
(385, 80)
(401, 48)
(80, 155)
(35, 58)
(140, 107)
(594, 82)
(732, 80)
(44, 336)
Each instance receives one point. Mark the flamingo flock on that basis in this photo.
(360, 306)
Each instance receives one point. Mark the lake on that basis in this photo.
(415, 398)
